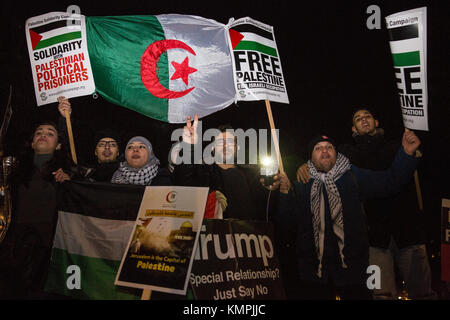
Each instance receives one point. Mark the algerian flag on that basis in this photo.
(94, 224)
(166, 67)
(408, 41)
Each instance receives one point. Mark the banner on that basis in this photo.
(256, 61)
(167, 67)
(236, 260)
(59, 57)
(95, 221)
(445, 246)
(160, 250)
(408, 41)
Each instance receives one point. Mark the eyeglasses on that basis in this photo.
(103, 144)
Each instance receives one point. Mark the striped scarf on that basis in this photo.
(334, 200)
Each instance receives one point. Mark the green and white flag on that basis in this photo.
(94, 224)
(408, 41)
(166, 67)
(59, 57)
(257, 64)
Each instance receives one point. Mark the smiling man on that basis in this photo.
(239, 184)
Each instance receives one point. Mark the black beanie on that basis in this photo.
(105, 133)
(316, 140)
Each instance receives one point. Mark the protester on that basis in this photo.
(396, 224)
(141, 166)
(26, 250)
(241, 194)
(106, 149)
(327, 219)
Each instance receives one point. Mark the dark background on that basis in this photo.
(331, 63)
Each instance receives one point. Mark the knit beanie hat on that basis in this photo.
(318, 139)
(105, 133)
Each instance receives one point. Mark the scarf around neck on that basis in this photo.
(141, 176)
(335, 204)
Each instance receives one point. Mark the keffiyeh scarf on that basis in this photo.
(142, 176)
(334, 200)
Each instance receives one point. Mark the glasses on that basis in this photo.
(103, 144)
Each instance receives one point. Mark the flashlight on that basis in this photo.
(269, 168)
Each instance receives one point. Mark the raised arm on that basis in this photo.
(379, 184)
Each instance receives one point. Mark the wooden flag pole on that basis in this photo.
(146, 294)
(418, 190)
(69, 131)
(274, 136)
(416, 180)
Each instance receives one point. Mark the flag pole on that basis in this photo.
(274, 136)
(71, 141)
(146, 294)
(416, 180)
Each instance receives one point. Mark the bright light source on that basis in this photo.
(267, 161)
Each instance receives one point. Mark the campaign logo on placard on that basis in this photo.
(171, 197)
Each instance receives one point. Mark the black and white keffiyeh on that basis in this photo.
(142, 176)
(334, 200)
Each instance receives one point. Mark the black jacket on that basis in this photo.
(246, 198)
(295, 217)
(399, 215)
(25, 252)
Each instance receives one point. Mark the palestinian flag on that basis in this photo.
(94, 224)
(408, 35)
(166, 67)
(251, 37)
(53, 33)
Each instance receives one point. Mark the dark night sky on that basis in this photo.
(331, 63)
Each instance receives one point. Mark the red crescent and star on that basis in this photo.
(149, 62)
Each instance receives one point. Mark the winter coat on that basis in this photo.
(295, 217)
(398, 215)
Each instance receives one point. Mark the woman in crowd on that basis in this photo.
(141, 166)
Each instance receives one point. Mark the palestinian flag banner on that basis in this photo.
(95, 221)
(166, 67)
(256, 62)
(408, 41)
(59, 58)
